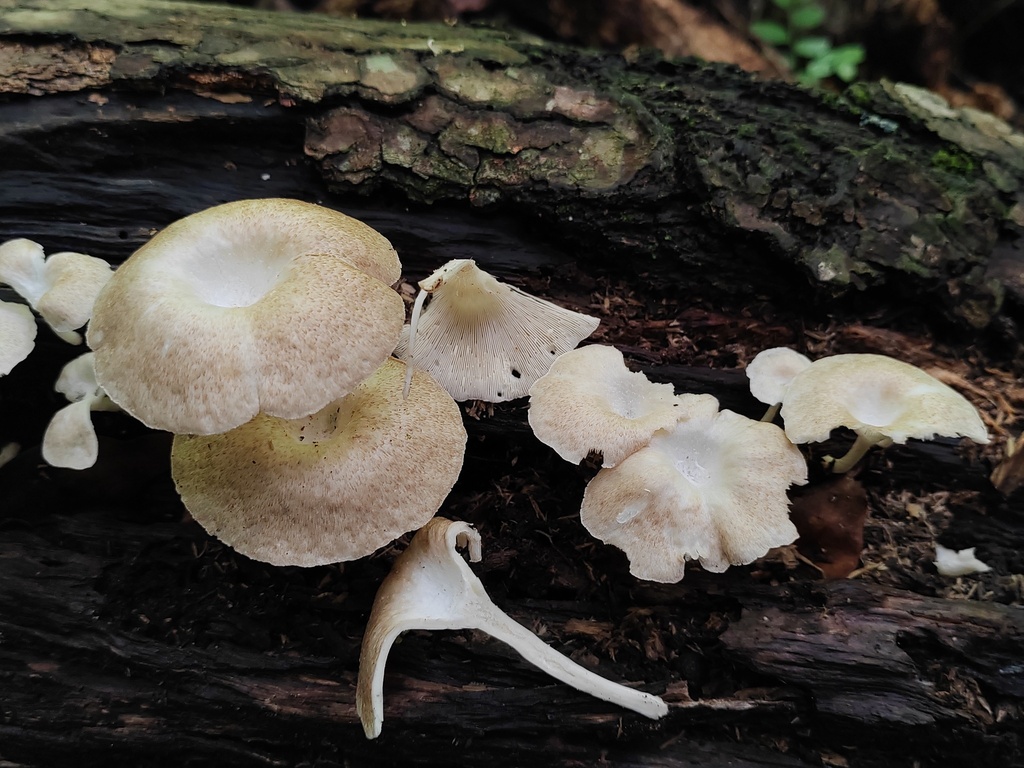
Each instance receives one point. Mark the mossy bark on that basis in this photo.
(702, 170)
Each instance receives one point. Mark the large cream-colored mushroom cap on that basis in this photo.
(17, 334)
(486, 340)
(590, 401)
(273, 306)
(330, 487)
(878, 397)
(712, 489)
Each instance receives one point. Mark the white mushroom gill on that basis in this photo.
(483, 339)
(432, 587)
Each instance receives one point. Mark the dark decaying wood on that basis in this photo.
(128, 636)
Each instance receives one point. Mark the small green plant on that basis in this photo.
(810, 56)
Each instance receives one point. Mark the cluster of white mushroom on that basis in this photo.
(262, 334)
(62, 289)
(313, 426)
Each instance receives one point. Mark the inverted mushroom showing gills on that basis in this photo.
(590, 401)
(483, 339)
(711, 489)
(329, 487)
(432, 587)
(273, 306)
(882, 399)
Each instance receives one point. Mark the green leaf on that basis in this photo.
(770, 32)
(808, 17)
(848, 54)
(819, 69)
(785, 5)
(812, 47)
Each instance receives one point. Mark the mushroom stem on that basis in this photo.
(501, 626)
(414, 319)
(432, 587)
(860, 446)
(771, 413)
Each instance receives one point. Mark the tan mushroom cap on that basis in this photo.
(590, 401)
(483, 339)
(771, 371)
(330, 487)
(17, 334)
(878, 397)
(712, 489)
(273, 306)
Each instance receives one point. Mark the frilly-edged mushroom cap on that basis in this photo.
(590, 401)
(330, 487)
(486, 340)
(876, 396)
(17, 334)
(70, 440)
(272, 306)
(432, 587)
(712, 489)
(61, 288)
(771, 371)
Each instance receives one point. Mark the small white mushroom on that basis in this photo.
(950, 562)
(590, 401)
(431, 587)
(770, 373)
(70, 438)
(62, 288)
(483, 339)
(17, 334)
(712, 489)
(882, 399)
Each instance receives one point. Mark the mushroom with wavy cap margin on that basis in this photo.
(62, 287)
(483, 339)
(590, 401)
(711, 489)
(275, 306)
(329, 487)
(882, 399)
(431, 587)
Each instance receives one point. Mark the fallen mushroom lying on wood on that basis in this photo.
(431, 587)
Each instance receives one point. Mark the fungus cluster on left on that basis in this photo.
(266, 336)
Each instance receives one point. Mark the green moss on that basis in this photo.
(953, 160)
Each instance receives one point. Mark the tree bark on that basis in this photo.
(128, 636)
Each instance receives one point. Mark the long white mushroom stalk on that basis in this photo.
(432, 587)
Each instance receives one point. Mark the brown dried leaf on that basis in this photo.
(830, 519)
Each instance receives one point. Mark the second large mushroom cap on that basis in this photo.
(329, 487)
(273, 306)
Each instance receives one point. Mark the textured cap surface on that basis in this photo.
(261, 305)
(329, 487)
(712, 489)
(590, 401)
(878, 395)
